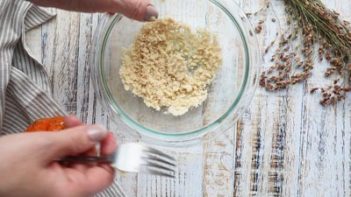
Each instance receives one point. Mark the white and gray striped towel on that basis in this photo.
(24, 90)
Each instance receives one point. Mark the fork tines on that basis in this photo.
(160, 153)
(159, 163)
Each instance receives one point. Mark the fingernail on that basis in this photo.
(97, 133)
(151, 13)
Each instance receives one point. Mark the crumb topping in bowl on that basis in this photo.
(170, 66)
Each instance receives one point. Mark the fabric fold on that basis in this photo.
(12, 14)
(24, 85)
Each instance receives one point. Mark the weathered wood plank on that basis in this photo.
(253, 156)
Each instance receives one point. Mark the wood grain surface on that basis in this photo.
(285, 144)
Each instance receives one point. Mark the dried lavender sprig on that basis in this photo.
(325, 21)
(316, 24)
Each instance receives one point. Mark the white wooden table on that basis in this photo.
(285, 144)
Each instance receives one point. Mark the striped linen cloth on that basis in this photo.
(24, 90)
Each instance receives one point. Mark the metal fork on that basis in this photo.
(133, 157)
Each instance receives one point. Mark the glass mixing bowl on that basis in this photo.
(229, 94)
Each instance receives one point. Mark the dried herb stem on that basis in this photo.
(317, 27)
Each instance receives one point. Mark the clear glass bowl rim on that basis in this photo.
(241, 101)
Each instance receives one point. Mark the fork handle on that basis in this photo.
(86, 159)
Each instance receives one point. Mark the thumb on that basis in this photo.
(75, 141)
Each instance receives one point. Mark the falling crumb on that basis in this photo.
(170, 67)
